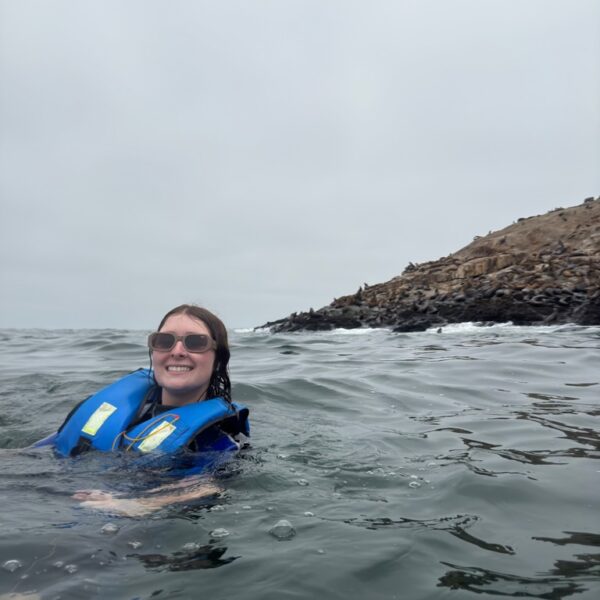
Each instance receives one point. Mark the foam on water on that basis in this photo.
(468, 327)
(474, 327)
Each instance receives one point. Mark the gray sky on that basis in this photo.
(263, 157)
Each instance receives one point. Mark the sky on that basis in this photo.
(261, 157)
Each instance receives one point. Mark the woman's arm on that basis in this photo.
(186, 490)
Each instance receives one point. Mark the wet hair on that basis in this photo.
(219, 384)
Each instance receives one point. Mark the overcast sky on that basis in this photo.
(261, 157)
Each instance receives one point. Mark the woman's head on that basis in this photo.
(190, 376)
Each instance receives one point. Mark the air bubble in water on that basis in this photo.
(59, 564)
(109, 529)
(302, 482)
(71, 568)
(135, 545)
(12, 565)
(309, 514)
(283, 530)
(190, 547)
(219, 533)
(414, 484)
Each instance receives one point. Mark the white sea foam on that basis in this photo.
(468, 327)
(475, 327)
(359, 331)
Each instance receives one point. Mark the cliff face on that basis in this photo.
(540, 270)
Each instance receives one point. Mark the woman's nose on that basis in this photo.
(178, 348)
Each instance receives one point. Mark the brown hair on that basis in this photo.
(219, 382)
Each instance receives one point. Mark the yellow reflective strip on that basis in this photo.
(98, 417)
(157, 436)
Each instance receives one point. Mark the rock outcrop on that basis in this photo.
(540, 270)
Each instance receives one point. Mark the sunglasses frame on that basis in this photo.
(176, 338)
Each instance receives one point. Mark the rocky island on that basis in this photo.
(541, 270)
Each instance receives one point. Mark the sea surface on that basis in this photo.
(454, 464)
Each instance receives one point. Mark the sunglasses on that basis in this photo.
(193, 342)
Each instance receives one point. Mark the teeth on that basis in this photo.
(179, 368)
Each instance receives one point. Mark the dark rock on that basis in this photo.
(541, 270)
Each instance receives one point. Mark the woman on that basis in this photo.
(190, 374)
(182, 403)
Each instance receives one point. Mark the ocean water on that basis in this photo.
(455, 464)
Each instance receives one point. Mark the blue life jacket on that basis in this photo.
(103, 422)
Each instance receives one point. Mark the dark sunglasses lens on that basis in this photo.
(162, 341)
(196, 342)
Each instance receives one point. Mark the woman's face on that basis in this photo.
(184, 376)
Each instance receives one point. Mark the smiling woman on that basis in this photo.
(190, 351)
(181, 406)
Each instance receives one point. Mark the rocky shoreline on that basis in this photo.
(542, 270)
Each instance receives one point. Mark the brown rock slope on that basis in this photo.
(540, 270)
